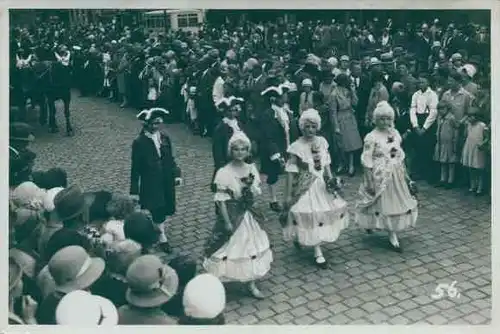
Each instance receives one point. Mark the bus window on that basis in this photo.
(187, 20)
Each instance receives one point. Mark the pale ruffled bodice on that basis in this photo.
(227, 181)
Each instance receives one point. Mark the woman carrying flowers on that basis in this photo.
(386, 194)
(238, 249)
(315, 213)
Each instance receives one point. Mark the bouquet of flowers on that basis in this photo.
(334, 185)
(247, 196)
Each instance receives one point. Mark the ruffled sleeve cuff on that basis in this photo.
(221, 196)
(275, 156)
(256, 189)
(291, 168)
(367, 155)
(221, 183)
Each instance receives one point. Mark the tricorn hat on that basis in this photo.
(151, 114)
(273, 91)
(229, 101)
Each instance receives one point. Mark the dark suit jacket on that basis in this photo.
(205, 88)
(422, 48)
(363, 92)
(153, 177)
(255, 97)
(273, 138)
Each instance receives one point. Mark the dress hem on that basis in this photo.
(317, 235)
(390, 223)
(240, 270)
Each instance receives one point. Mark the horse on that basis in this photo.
(45, 82)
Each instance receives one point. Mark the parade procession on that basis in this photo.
(211, 167)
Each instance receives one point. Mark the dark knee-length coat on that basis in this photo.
(272, 140)
(153, 176)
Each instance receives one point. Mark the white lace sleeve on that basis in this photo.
(367, 155)
(222, 183)
(291, 165)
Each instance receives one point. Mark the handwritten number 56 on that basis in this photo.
(450, 290)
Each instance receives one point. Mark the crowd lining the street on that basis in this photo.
(310, 101)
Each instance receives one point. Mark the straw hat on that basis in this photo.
(69, 203)
(73, 269)
(151, 283)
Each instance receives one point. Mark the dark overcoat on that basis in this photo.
(153, 177)
(272, 140)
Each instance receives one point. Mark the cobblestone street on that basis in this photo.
(366, 282)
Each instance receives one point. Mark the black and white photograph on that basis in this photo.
(249, 166)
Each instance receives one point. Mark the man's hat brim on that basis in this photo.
(152, 114)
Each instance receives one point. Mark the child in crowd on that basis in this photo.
(473, 154)
(120, 207)
(445, 152)
(153, 94)
(191, 110)
(306, 97)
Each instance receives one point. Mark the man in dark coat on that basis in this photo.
(275, 137)
(255, 85)
(205, 89)
(363, 85)
(422, 47)
(154, 172)
(224, 131)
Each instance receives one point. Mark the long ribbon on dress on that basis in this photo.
(381, 173)
(301, 184)
(236, 209)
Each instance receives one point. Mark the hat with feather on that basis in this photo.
(148, 115)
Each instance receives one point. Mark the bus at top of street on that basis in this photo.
(158, 21)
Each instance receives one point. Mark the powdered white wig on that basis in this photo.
(239, 138)
(309, 116)
(383, 108)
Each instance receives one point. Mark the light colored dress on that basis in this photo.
(392, 207)
(315, 215)
(122, 75)
(245, 255)
(341, 104)
(472, 156)
(447, 139)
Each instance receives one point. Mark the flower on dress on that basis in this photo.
(393, 152)
(390, 140)
(334, 185)
(247, 195)
(248, 180)
(315, 150)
